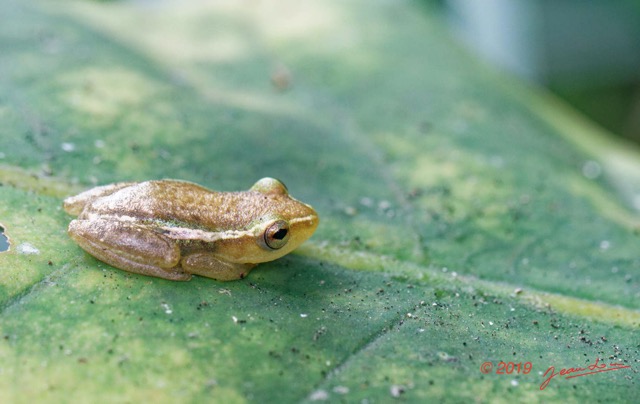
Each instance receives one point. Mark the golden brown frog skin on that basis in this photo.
(173, 229)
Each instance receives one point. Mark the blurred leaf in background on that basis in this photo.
(586, 52)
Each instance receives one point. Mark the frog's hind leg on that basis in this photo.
(130, 247)
(73, 205)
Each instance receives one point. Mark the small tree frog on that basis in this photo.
(173, 229)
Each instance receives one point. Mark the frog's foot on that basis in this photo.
(130, 247)
(206, 264)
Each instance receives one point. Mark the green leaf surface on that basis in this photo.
(465, 218)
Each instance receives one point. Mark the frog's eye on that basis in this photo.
(277, 234)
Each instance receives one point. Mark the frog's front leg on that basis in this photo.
(129, 246)
(206, 264)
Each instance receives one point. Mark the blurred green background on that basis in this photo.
(585, 51)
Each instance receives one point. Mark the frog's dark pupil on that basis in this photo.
(280, 234)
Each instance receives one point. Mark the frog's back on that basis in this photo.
(74, 205)
(180, 203)
(160, 199)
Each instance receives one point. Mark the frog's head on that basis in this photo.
(281, 226)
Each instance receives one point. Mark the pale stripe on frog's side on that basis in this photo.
(183, 233)
(126, 225)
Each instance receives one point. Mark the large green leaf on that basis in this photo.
(465, 218)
